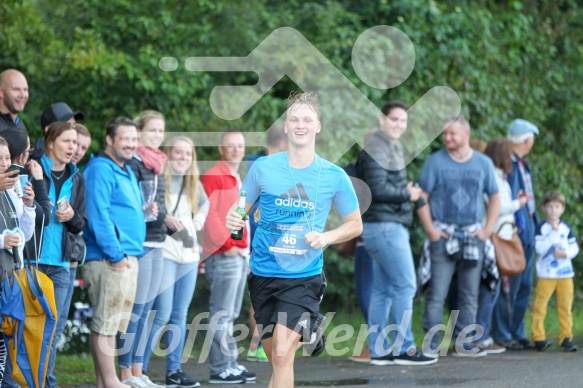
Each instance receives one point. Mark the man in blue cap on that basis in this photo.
(508, 322)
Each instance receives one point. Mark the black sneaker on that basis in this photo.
(179, 379)
(317, 342)
(515, 345)
(526, 344)
(384, 360)
(320, 346)
(568, 346)
(541, 346)
(417, 358)
(248, 376)
(228, 376)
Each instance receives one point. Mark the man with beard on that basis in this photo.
(454, 181)
(114, 237)
(13, 98)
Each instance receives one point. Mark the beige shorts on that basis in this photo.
(112, 292)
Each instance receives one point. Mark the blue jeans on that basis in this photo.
(443, 266)
(131, 345)
(394, 286)
(61, 279)
(171, 307)
(65, 315)
(508, 326)
(227, 276)
(486, 302)
(362, 278)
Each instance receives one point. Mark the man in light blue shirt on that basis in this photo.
(295, 190)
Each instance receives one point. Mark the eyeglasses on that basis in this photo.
(30, 151)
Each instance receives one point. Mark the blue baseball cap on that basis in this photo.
(521, 127)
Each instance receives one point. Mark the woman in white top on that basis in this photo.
(187, 206)
(500, 151)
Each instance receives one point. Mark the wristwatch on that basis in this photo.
(420, 203)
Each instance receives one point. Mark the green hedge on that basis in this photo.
(505, 59)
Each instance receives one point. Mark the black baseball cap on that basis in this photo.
(59, 111)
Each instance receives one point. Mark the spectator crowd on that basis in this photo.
(131, 217)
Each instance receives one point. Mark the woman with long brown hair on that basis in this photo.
(66, 189)
(500, 151)
(187, 205)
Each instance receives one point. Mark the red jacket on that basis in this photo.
(223, 191)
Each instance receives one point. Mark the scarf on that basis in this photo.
(153, 159)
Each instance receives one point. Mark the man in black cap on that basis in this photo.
(59, 111)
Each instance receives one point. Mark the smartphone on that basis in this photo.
(62, 204)
(15, 167)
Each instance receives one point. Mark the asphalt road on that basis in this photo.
(511, 369)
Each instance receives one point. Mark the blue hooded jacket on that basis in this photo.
(116, 226)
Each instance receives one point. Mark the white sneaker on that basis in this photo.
(241, 370)
(489, 341)
(135, 382)
(470, 353)
(228, 376)
(150, 383)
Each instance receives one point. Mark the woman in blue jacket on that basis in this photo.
(66, 189)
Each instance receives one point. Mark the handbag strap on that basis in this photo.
(514, 228)
(37, 249)
(179, 196)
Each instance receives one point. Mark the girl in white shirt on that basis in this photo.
(187, 205)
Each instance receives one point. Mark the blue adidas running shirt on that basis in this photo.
(293, 202)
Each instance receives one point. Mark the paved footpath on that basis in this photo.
(511, 369)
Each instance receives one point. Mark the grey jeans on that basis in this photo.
(227, 276)
(443, 266)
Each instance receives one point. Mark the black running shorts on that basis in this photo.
(289, 302)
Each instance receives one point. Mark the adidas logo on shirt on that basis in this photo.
(290, 198)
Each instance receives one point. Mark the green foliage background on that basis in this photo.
(504, 58)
